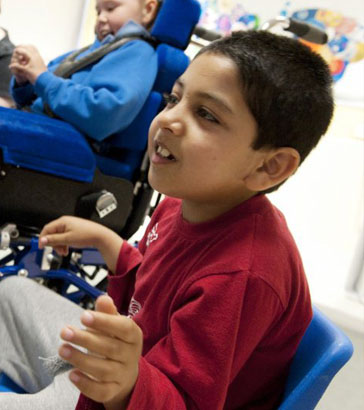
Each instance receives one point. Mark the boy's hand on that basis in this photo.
(16, 60)
(81, 233)
(27, 64)
(69, 231)
(107, 373)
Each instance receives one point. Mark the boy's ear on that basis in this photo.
(150, 10)
(278, 165)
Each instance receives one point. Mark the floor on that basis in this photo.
(346, 391)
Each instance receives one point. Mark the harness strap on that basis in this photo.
(70, 65)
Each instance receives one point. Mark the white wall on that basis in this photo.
(323, 204)
(51, 25)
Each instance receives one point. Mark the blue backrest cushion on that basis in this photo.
(175, 22)
(133, 137)
(172, 63)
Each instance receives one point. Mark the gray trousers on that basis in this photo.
(31, 318)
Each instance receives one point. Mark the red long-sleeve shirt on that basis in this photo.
(222, 304)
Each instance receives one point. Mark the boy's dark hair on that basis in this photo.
(287, 87)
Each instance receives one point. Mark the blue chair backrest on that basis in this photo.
(322, 352)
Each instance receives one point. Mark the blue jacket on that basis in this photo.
(102, 99)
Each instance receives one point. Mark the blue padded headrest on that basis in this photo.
(172, 63)
(175, 21)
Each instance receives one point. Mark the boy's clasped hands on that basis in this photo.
(26, 64)
(106, 369)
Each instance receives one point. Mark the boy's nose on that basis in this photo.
(172, 120)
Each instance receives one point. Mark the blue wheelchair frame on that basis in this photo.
(43, 265)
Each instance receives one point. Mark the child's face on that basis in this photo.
(200, 144)
(113, 14)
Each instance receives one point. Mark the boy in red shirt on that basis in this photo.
(208, 312)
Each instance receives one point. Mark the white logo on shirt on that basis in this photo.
(134, 307)
(152, 235)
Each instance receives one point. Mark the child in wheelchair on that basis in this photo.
(102, 96)
(208, 311)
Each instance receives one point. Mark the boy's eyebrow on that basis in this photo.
(209, 96)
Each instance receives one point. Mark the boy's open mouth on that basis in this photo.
(164, 153)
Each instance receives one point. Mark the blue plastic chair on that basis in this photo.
(8, 386)
(323, 351)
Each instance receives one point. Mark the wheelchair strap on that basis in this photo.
(70, 65)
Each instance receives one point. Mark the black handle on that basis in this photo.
(208, 35)
(307, 31)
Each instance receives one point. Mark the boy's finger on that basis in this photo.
(97, 343)
(57, 239)
(21, 52)
(54, 227)
(97, 391)
(16, 67)
(100, 368)
(118, 326)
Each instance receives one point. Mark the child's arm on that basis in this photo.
(81, 233)
(105, 98)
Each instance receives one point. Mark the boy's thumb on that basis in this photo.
(105, 304)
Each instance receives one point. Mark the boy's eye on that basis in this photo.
(170, 99)
(203, 113)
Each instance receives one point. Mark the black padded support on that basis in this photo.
(33, 199)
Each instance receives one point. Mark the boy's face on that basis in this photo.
(200, 144)
(113, 14)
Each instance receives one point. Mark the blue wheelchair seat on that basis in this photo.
(40, 143)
